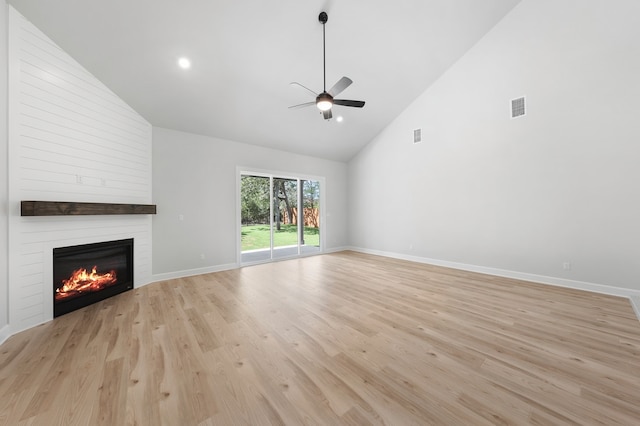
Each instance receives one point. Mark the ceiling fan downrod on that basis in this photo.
(323, 18)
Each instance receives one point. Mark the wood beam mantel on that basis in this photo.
(65, 208)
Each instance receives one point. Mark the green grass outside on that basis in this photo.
(257, 236)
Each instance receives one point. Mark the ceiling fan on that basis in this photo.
(325, 100)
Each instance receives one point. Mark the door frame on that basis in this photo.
(253, 171)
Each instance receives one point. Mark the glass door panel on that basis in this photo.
(255, 200)
(285, 219)
(310, 216)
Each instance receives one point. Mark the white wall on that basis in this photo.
(70, 139)
(195, 176)
(519, 197)
(4, 176)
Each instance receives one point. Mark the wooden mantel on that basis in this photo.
(65, 208)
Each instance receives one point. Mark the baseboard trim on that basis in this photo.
(5, 333)
(635, 303)
(192, 272)
(336, 249)
(229, 266)
(632, 295)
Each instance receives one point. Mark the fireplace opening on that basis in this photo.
(88, 273)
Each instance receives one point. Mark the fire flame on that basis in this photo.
(82, 282)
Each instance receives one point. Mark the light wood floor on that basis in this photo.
(336, 339)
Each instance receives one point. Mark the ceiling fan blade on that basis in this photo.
(342, 84)
(295, 83)
(306, 104)
(345, 102)
(327, 114)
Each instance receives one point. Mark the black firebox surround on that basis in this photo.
(67, 259)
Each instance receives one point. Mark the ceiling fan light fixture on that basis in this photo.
(324, 102)
(324, 105)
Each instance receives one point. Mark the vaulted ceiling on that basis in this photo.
(245, 53)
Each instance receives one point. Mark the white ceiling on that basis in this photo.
(245, 54)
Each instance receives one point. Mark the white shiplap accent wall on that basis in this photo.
(70, 139)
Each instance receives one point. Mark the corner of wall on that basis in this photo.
(4, 176)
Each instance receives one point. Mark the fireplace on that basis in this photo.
(89, 273)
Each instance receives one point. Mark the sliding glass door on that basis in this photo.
(279, 217)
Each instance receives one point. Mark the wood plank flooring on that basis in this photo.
(339, 339)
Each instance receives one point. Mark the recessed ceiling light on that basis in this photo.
(184, 63)
(339, 119)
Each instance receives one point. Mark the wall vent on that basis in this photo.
(417, 135)
(517, 107)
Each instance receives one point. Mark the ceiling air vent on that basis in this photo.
(517, 107)
(417, 135)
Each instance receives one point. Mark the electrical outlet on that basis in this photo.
(202, 256)
(566, 266)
